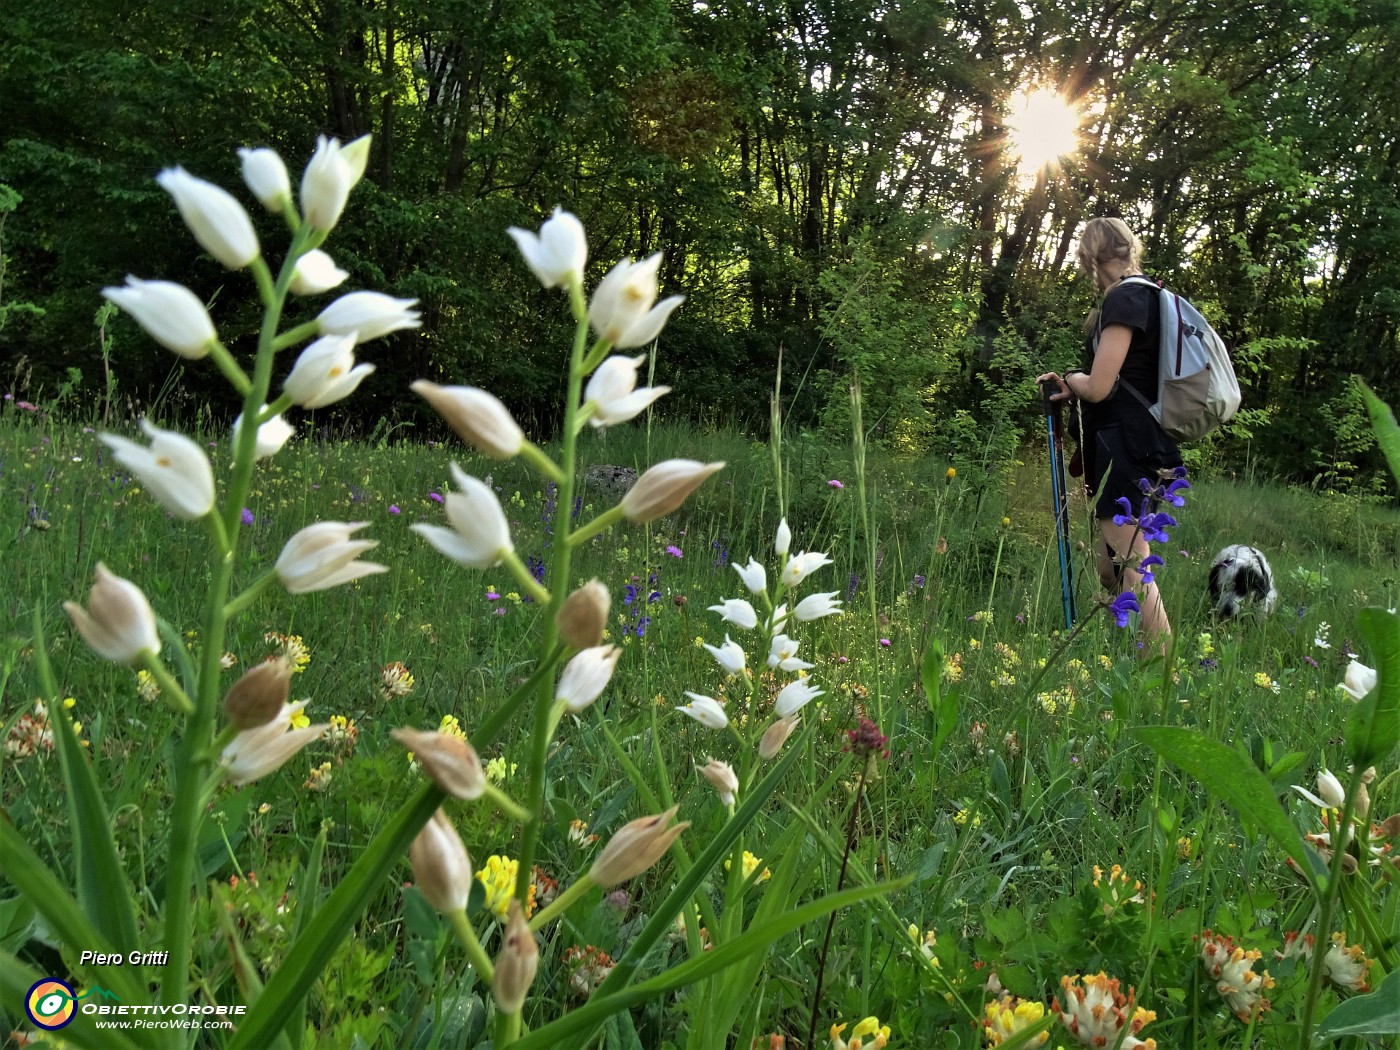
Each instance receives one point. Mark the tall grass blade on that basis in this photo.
(1373, 726)
(103, 891)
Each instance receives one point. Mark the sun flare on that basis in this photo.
(1042, 127)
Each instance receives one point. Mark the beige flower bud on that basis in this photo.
(450, 762)
(256, 698)
(663, 488)
(722, 779)
(584, 616)
(517, 962)
(478, 417)
(442, 870)
(118, 622)
(634, 848)
(775, 736)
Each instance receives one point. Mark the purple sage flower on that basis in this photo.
(1123, 606)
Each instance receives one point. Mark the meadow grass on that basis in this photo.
(1000, 827)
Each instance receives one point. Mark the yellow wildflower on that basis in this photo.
(751, 864)
(498, 879)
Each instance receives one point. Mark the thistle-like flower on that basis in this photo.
(662, 489)
(621, 309)
(613, 393)
(586, 676)
(254, 753)
(477, 416)
(794, 696)
(325, 372)
(316, 272)
(173, 468)
(706, 710)
(329, 177)
(634, 848)
(558, 253)
(266, 175)
(442, 870)
(480, 535)
(367, 315)
(118, 623)
(1009, 1015)
(1232, 969)
(1096, 1012)
(169, 313)
(323, 555)
(216, 219)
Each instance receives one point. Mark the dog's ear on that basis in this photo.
(1217, 574)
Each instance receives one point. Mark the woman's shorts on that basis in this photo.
(1128, 454)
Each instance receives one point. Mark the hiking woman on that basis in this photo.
(1121, 442)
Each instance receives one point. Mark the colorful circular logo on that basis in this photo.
(50, 1003)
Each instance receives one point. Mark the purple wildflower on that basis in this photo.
(393, 508)
(866, 739)
(833, 483)
(885, 642)
(1122, 606)
(247, 516)
(674, 551)
(1145, 566)
(436, 497)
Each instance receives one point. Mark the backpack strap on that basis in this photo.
(1136, 278)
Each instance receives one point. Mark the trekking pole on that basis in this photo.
(1055, 434)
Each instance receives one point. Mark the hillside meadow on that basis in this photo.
(966, 762)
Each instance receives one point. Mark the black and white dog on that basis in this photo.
(1241, 576)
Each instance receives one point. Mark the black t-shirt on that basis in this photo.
(1135, 305)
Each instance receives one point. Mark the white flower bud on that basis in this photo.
(442, 870)
(706, 710)
(329, 177)
(795, 696)
(586, 676)
(557, 254)
(325, 372)
(118, 623)
(170, 313)
(621, 310)
(316, 272)
(477, 416)
(480, 535)
(216, 219)
(663, 488)
(266, 175)
(323, 555)
(367, 315)
(173, 468)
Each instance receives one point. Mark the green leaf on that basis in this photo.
(33, 879)
(1385, 428)
(1229, 776)
(333, 922)
(103, 890)
(931, 673)
(661, 921)
(15, 981)
(1377, 1013)
(1373, 726)
(575, 1025)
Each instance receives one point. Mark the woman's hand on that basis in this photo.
(1062, 390)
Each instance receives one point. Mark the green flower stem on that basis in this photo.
(505, 804)
(191, 765)
(585, 413)
(507, 1028)
(234, 606)
(292, 336)
(1324, 915)
(596, 353)
(262, 277)
(605, 520)
(238, 379)
(171, 691)
(525, 577)
(222, 741)
(539, 459)
(559, 577)
(466, 937)
(274, 409)
(561, 903)
(217, 532)
(485, 734)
